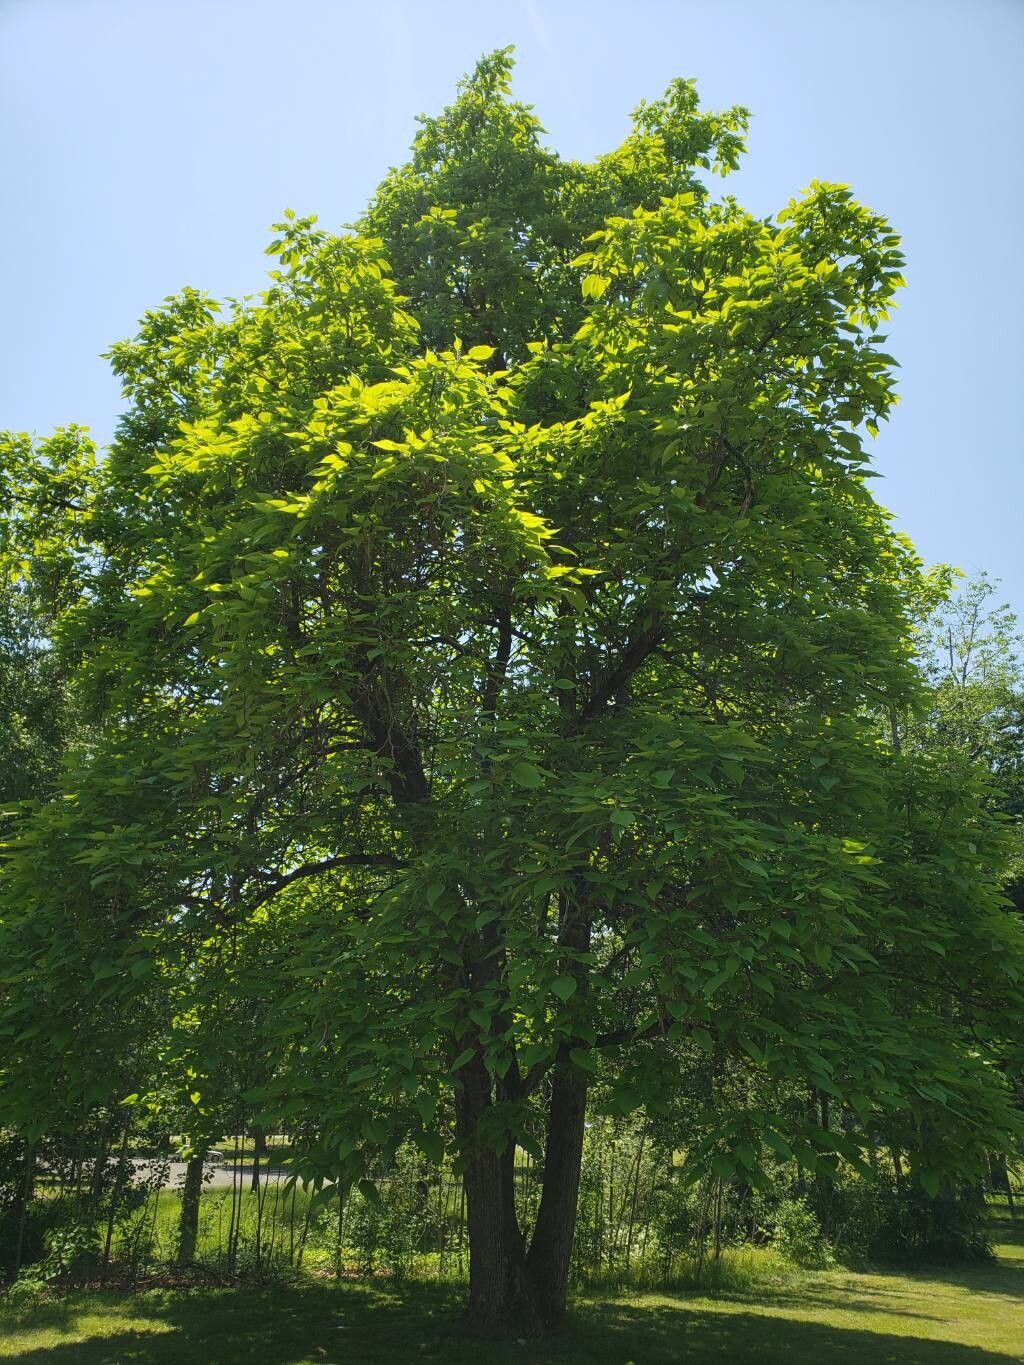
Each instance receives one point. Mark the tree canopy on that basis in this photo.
(486, 637)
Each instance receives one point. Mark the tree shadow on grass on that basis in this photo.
(696, 1335)
(832, 1297)
(350, 1325)
(1003, 1276)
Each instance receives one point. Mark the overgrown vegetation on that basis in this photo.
(936, 1318)
(641, 1224)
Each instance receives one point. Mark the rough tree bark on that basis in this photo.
(510, 1285)
(499, 1290)
(551, 1245)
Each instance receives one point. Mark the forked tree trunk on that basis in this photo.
(551, 1245)
(499, 1290)
(508, 1286)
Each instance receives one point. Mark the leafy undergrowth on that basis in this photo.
(970, 1316)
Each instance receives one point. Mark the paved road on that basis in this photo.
(221, 1174)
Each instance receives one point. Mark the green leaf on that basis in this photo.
(595, 285)
(929, 1182)
(746, 1155)
(370, 1192)
(526, 775)
(564, 987)
(533, 1053)
(431, 1145)
(778, 1144)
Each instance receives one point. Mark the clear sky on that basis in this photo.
(148, 144)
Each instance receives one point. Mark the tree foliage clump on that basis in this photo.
(484, 635)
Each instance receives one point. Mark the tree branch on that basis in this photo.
(278, 883)
(497, 668)
(631, 658)
(631, 1035)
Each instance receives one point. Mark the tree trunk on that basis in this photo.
(24, 1199)
(259, 1150)
(99, 1168)
(508, 1288)
(551, 1246)
(1000, 1178)
(120, 1179)
(499, 1289)
(188, 1221)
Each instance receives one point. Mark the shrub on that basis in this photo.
(798, 1236)
(878, 1221)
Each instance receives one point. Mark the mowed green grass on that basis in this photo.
(939, 1317)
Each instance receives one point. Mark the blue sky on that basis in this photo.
(148, 144)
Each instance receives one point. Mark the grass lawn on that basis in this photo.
(926, 1318)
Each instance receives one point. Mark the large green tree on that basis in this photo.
(495, 616)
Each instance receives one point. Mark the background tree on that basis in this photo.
(971, 648)
(44, 490)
